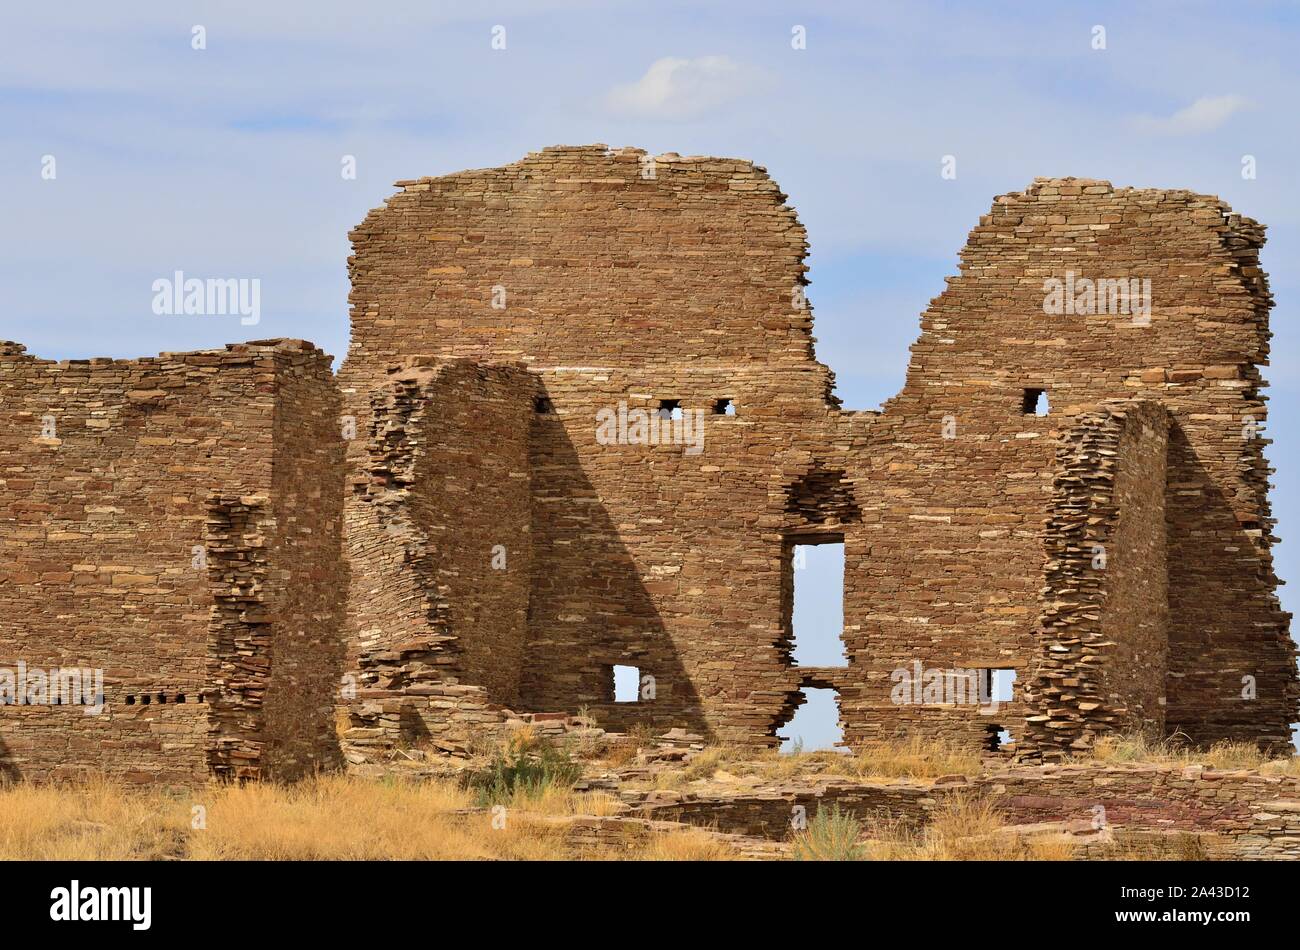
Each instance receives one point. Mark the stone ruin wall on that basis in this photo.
(235, 451)
(607, 303)
(625, 288)
(627, 283)
(1236, 814)
(309, 574)
(439, 522)
(1103, 652)
(987, 339)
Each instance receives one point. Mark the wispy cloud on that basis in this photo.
(1203, 115)
(676, 88)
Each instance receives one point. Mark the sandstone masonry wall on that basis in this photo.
(1104, 633)
(439, 521)
(176, 521)
(613, 283)
(626, 282)
(987, 340)
(1248, 814)
(108, 470)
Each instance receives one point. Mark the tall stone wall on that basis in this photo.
(440, 523)
(590, 431)
(669, 561)
(625, 282)
(583, 256)
(108, 473)
(987, 340)
(1104, 633)
(623, 291)
(309, 572)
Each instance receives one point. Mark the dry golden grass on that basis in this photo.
(619, 754)
(341, 817)
(783, 766)
(769, 764)
(554, 801)
(913, 758)
(332, 817)
(1288, 767)
(703, 764)
(620, 749)
(920, 758)
(94, 821)
(691, 844)
(964, 828)
(1139, 749)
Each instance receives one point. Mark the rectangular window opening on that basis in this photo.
(627, 684)
(817, 614)
(1034, 402)
(998, 739)
(815, 725)
(998, 685)
(670, 408)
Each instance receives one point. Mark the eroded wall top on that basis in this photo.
(1160, 294)
(103, 499)
(580, 256)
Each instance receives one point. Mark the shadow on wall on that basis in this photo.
(9, 772)
(589, 608)
(1223, 618)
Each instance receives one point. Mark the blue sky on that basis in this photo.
(225, 161)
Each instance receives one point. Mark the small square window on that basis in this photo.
(997, 739)
(998, 685)
(724, 407)
(543, 406)
(1034, 402)
(627, 684)
(670, 409)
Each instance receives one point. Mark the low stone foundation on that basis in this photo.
(1252, 815)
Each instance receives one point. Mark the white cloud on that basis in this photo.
(1203, 115)
(675, 88)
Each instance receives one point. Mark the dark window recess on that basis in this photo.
(724, 407)
(1034, 402)
(543, 405)
(146, 699)
(996, 738)
(670, 409)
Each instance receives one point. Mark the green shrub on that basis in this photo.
(832, 835)
(525, 767)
